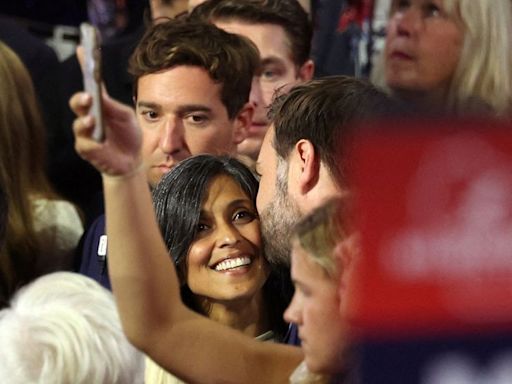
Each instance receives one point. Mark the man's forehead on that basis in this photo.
(184, 78)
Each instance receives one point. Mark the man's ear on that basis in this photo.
(242, 122)
(307, 165)
(307, 70)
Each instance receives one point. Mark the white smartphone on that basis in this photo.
(91, 70)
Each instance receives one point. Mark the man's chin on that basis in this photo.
(278, 256)
(276, 237)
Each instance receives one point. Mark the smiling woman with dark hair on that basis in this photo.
(206, 210)
(450, 55)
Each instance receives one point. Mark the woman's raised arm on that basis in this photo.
(143, 277)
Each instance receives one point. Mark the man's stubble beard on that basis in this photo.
(277, 222)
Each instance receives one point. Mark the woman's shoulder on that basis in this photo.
(58, 221)
(55, 211)
(59, 228)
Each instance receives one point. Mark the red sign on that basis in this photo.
(435, 205)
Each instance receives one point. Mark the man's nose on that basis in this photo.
(172, 136)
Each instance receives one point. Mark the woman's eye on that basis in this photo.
(304, 291)
(401, 5)
(244, 216)
(432, 10)
(201, 227)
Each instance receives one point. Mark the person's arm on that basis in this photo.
(143, 277)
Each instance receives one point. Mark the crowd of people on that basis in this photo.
(227, 234)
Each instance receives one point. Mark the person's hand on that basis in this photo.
(119, 153)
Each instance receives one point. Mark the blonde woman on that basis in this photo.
(449, 55)
(42, 230)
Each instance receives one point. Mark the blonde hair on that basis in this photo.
(318, 234)
(484, 70)
(22, 168)
(485, 67)
(322, 230)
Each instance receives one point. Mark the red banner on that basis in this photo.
(435, 205)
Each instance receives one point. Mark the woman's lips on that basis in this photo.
(400, 55)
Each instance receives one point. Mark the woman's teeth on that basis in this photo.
(233, 263)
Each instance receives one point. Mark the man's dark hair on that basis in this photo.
(288, 14)
(230, 60)
(322, 111)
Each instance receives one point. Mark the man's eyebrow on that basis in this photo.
(192, 108)
(147, 104)
(271, 60)
(181, 110)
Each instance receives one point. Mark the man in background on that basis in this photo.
(282, 31)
